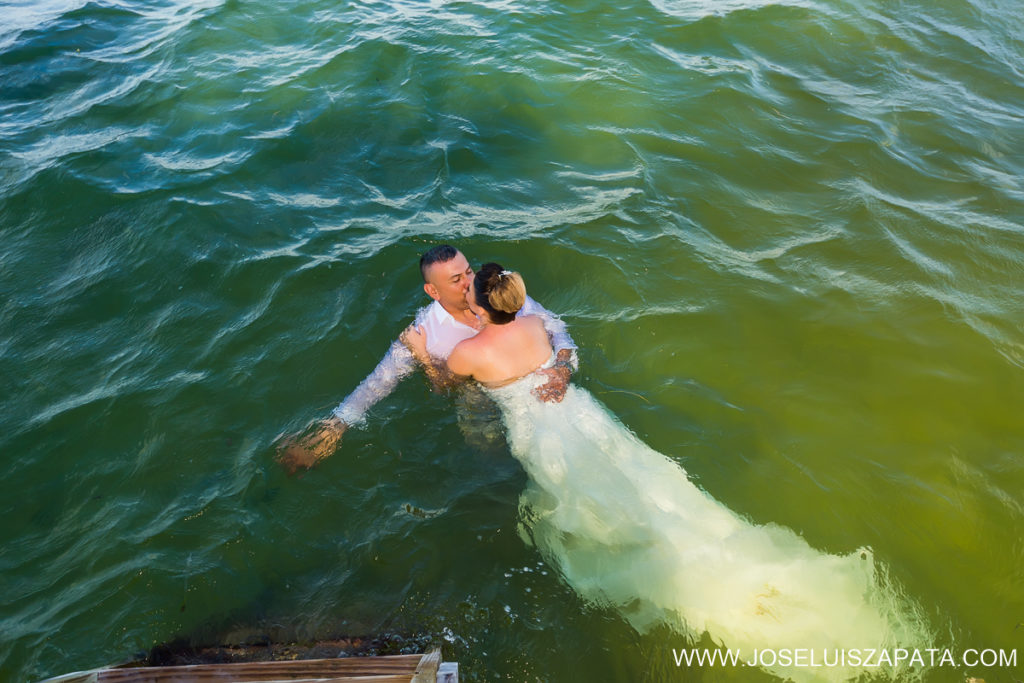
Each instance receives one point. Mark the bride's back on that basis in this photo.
(502, 353)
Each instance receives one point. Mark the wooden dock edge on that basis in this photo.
(425, 668)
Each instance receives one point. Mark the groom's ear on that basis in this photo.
(431, 291)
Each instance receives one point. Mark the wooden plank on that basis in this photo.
(426, 670)
(91, 677)
(404, 678)
(76, 677)
(343, 667)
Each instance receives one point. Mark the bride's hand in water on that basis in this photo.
(302, 452)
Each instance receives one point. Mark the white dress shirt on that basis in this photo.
(443, 333)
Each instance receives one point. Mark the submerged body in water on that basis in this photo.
(627, 529)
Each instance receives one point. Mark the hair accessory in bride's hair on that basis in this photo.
(505, 272)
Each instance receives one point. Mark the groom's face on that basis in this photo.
(447, 282)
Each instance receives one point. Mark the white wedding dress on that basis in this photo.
(627, 529)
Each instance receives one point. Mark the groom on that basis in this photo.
(447, 320)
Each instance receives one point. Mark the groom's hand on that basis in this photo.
(553, 391)
(302, 453)
(415, 339)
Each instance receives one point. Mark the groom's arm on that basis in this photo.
(302, 453)
(397, 364)
(295, 452)
(566, 359)
(557, 330)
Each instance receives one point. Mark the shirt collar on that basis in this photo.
(443, 317)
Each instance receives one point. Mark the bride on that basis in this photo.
(627, 529)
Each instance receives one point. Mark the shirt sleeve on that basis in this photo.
(397, 364)
(556, 329)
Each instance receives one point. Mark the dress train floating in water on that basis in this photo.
(626, 528)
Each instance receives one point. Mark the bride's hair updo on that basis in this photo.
(500, 292)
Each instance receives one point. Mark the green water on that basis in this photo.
(787, 237)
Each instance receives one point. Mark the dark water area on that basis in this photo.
(788, 238)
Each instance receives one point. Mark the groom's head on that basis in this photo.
(446, 276)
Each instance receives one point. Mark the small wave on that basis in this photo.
(192, 162)
(32, 15)
(916, 256)
(94, 395)
(634, 313)
(635, 173)
(694, 10)
(42, 154)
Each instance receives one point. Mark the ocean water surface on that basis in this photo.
(788, 238)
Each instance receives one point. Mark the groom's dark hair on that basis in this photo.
(442, 253)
